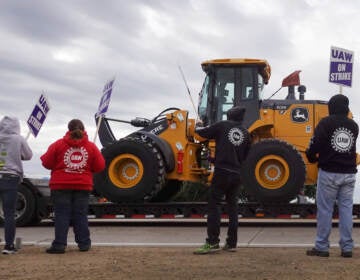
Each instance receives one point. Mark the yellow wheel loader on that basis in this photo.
(153, 162)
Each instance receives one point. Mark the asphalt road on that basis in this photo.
(138, 234)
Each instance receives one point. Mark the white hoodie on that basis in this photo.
(13, 147)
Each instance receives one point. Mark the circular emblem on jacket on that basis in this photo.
(236, 136)
(75, 158)
(342, 140)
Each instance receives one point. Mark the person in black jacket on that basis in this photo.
(232, 145)
(333, 146)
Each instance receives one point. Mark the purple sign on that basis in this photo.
(341, 65)
(38, 115)
(44, 104)
(36, 120)
(105, 99)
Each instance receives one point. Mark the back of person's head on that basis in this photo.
(76, 128)
(10, 125)
(338, 105)
(236, 113)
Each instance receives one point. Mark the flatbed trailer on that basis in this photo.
(34, 205)
(194, 210)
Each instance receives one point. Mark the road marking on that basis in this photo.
(171, 244)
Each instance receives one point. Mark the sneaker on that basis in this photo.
(207, 249)
(55, 250)
(315, 252)
(346, 254)
(8, 250)
(229, 248)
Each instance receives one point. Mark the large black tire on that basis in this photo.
(134, 171)
(274, 171)
(25, 211)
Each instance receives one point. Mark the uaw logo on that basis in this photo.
(299, 115)
(236, 136)
(75, 159)
(342, 140)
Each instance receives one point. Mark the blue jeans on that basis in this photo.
(8, 194)
(332, 187)
(228, 184)
(71, 208)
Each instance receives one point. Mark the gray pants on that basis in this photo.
(331, 188)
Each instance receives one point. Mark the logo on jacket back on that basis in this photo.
(236, 136)
(75, 159)
(299, 115)
(342, 140)
(3, 156)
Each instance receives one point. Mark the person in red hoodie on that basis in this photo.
(72, 160)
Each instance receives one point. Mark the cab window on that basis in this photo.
(224, 92)
(246, 78)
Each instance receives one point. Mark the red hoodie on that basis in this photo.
(72, 163)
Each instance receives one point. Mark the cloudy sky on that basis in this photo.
(68, 49)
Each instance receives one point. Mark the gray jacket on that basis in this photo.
(13, 147)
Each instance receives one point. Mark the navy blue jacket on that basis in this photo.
(232, 143)
(333, 144)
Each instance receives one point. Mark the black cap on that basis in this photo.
(338, 105)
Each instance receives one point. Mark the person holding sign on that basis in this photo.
(333, 147)
(72, 160)
(13, 149)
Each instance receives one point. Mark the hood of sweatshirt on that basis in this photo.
(338, 105)
(9, 125)
(76, 142)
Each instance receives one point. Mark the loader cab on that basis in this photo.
(232, 82)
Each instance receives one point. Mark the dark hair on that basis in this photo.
(76, 128)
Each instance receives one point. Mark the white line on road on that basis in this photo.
(156, 244)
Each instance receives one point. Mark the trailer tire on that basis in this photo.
(25, 207)
(135, 171)
(274, 171)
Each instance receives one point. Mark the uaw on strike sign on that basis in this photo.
(341, 66)
(104, 104)
(105, 99)
(38, 115)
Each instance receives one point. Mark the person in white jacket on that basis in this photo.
(13, 149)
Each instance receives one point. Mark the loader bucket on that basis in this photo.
(106, 135)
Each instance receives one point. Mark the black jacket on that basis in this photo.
(232, 143)
(333, 144)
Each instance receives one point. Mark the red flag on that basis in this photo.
(292, 80)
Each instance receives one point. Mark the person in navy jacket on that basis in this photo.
(333, 147)
(232, 146)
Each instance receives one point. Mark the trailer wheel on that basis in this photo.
(25, 207)
(274, 171)
(134, 171)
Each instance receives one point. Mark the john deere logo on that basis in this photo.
(299, 115)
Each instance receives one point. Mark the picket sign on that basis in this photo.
(104, 104)
(38, 116)
(341, 67)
